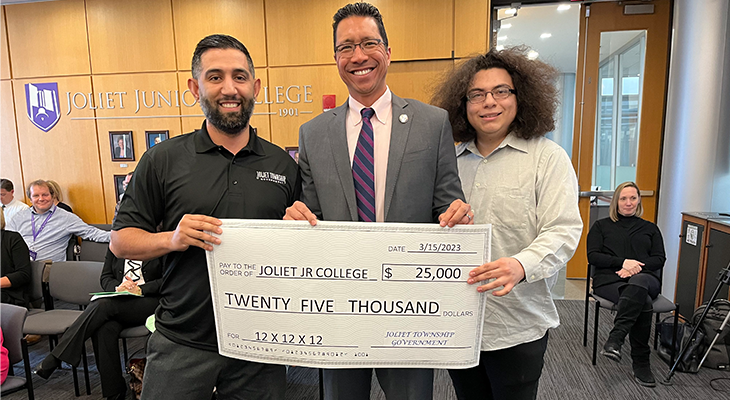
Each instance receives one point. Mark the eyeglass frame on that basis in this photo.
(469, 97)
(360, 45)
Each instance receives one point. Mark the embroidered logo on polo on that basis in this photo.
(41, 100)
(271, 177)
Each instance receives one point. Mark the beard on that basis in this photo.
(231, 123)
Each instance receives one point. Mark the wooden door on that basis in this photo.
(620, 101)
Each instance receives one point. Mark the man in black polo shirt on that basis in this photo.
(185, 184)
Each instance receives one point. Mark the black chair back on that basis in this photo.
(72, 281)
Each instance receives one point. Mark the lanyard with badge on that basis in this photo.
(34, 254)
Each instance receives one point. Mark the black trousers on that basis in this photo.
(612, 291)
(507, 374)
(102, 321)
(397, 383)
(179, 372)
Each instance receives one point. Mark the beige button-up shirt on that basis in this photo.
(528, 190)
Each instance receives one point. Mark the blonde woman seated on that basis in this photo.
(627, 253)
(58, 196)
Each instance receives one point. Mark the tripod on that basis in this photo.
(723, 278)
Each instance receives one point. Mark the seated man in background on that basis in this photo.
(10, 205)
(46, 228)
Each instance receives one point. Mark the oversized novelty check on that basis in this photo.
(345, 294)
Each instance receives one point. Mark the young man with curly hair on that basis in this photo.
(501, 104)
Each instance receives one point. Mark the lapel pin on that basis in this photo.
(403, 118)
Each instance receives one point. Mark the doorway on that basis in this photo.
(613, 61)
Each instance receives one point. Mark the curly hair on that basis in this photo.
(537, 96)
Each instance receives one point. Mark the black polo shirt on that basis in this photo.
(189, 174)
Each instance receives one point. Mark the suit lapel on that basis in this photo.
(398, 139)
(341, 155)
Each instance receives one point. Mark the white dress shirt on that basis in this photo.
(528, 190)
(51, 242)
(12, 208)
(382, 123)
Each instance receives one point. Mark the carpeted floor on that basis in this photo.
(568, 373)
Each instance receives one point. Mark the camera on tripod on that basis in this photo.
(723, 279)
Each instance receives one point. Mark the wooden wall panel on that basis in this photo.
(147, 45)
(242, 19)
(194, 114)
(147, 83)
(48, 38)
(471, 27)
(4, 53)
(323, 80)
(260, 120)
(300, 32)
(417, 80)
(9, 151)
(68, 153)
(130, 36)
(418, 30)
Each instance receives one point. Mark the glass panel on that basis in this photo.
(551, 32)
(618, 113)
(603, 155)
(631, 67)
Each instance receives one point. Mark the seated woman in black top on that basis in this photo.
(14, 267)
(627, 253)
(105, 318)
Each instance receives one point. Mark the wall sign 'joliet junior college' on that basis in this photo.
(44, 106)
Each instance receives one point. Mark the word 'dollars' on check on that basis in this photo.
(348, 294)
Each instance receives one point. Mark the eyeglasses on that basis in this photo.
(367, 46)
(498, 93)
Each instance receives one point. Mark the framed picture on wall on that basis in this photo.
(118, 187)
(154, 137)
(122, 146)
(294, 153)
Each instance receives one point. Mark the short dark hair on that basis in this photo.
(41, 182)
(218, 42)
(534, 80)
(359, 10)
(6, 184)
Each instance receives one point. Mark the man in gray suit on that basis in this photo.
(376, 158)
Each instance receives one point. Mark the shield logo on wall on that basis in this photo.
(42, 104)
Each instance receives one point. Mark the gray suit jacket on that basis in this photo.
(422, 178)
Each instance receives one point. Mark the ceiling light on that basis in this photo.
(500, 48)
(506, 26)
(564, 7)
(546, 35)
(532, 54)
(501, 37)
(510, 11)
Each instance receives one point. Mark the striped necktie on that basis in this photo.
(363, 170)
